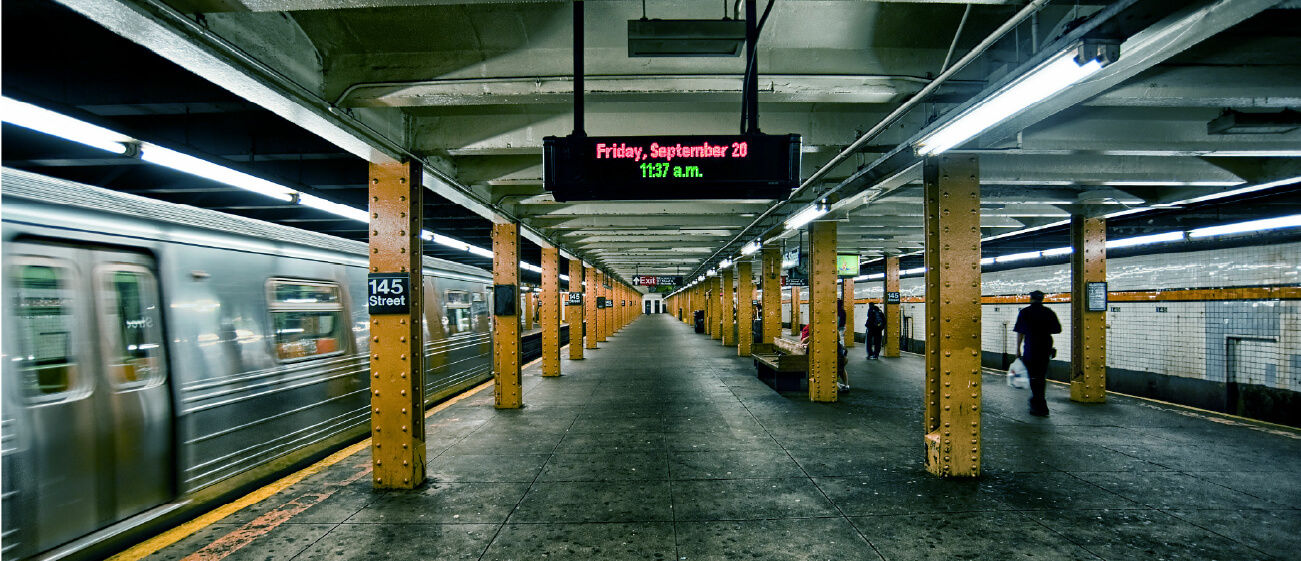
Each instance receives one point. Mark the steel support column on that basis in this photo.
(893, 331)
(745, 308)
(397, 340)
(603, 319)
(591, 314)
(574, 313)
(729, 307)
(795, 311)
(717, 302)
(529, 310)
(1088, 329)
(847, 294)
(953, 372)
(506, 330)
(549, 312)
(772, 294)
(823, 352)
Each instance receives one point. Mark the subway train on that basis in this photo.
(160, 358)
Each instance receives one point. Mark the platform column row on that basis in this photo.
(1088, 326)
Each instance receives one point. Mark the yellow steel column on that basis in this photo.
(397, 340)
(891, 307)
(528, 311)
(824, 354)
(1088, 328)
(952, 216)
(598, 295)
(608, 320)
(575, 311)
(745, 308)
(591, 313)
(847, 294)
(549, 312)
(729, 308)
(719, 320)
(772, 294)
(506, 329)
(795, 311)
(709, 307)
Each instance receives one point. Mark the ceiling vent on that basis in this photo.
(1238, 122)
(685, 37)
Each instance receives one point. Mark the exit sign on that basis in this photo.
(755, 166)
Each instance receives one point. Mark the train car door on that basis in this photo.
(134, 371)
(93, 378)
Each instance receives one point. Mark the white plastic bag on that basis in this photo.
(1017, 375)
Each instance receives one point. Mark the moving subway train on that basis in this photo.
(158, 357)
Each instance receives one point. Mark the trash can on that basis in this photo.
(700, 321)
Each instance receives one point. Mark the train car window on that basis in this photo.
(307, 318)
(132, 327)
(479, 310)
(47, 365)
(456, 306)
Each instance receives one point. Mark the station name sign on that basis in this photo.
(388, 293)
(754, 166)
(657, 281)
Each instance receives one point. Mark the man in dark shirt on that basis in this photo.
(1035, 327)
(875, 331)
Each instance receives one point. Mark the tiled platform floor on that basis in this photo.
(663, 445)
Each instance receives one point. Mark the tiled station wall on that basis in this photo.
(1180, 326)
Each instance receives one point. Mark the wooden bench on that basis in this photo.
(782, 365)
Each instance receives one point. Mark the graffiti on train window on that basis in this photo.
(47, 364)
(133, 335)
(307, 319)
(456, 308)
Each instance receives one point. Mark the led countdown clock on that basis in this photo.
(757, 166)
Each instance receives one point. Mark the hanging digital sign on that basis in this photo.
(756, 166)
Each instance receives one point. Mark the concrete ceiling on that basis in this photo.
(472, 87)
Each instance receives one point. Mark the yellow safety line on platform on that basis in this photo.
(152, 545)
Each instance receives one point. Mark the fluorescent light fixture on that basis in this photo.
(805, 216)
(530, 267)
(1126, 212)
(1058, 251)
(1172, 183)
(481, 252)
(1017, 256)
(724, 263)
(750, 248)
(564, 278)
(701, 279)
(451, 242)
(1049, 78)
(333, 207)
(1144, 240)
(1019, 232)
(915, 271)
(1292, 221)
(1255, 153)
(427, 235)
(43, 120)
(986, 260)
(872, 276)
(189, 164)
(1241, 191)
(711, 273)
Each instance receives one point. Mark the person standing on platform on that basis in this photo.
(875, 331)
(842, 354)
(1035, 327)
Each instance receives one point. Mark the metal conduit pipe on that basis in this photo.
(1030, 9)
(165, 12)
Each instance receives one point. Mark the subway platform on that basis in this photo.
(664, 445)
